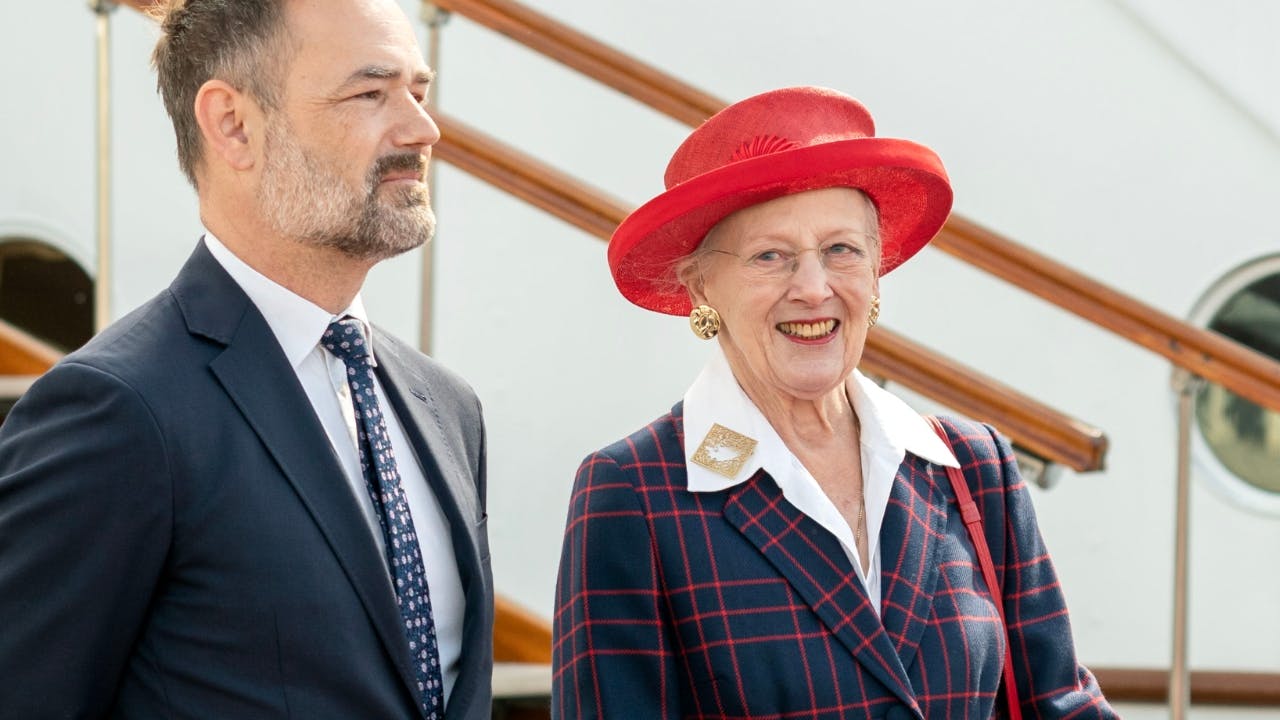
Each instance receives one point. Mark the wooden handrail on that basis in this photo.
(1028, 422)
(558, 41)
(1207, 687)
(24, 354)
(526, 177)
(1205, 353)
(518, 634)
(142, 6)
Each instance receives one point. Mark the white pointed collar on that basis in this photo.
(888, 424)
(297, 323)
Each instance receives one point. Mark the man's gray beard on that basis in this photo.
(305, 199)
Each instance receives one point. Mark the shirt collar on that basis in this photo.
(296, 322)
(889, 426)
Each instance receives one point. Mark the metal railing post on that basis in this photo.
(102, 282)
(434, 18)
(1186, 386)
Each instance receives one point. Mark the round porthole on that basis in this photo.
(1237, 442)
(45, 293)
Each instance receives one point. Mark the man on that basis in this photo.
(223, 506)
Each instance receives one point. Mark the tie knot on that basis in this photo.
(345, 339)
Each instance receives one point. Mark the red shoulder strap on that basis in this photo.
(973, 523)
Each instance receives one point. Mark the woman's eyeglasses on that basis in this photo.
(776, 263)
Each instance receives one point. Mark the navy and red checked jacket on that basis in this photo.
(734, 604)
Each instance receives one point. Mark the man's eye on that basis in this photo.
(370, 95)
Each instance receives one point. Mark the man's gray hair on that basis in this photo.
(242, 42)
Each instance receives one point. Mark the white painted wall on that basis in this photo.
(1090, 131)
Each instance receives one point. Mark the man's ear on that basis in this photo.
(225, 116)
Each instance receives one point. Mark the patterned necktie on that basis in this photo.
(345, 339)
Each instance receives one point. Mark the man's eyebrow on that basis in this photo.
(386, 72)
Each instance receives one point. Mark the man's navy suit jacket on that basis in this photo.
(734, 604)
(178, 540)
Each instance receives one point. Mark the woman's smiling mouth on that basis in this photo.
(815, 330)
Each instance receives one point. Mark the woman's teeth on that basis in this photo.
(808, 330)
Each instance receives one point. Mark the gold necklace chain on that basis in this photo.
(862, 514)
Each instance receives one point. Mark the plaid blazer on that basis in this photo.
(672, 604)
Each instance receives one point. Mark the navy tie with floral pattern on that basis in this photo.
(345, 339)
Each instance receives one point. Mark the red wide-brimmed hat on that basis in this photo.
(774, 144)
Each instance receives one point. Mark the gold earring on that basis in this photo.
(873, 315)
(705, 321)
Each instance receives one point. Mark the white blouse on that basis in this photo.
(890, 429)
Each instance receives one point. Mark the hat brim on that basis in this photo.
(905, 180)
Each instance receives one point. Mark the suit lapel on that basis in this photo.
(914, 520)
(811, 560)
(260, 383)
(416, 400)
(412, 397)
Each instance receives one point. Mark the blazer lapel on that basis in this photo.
(811, 560)
(261, 384)
(417, 402)
(412, 397)
(914, 520)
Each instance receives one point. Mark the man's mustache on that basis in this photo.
(398, 162)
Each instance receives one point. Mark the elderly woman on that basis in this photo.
(785, 542)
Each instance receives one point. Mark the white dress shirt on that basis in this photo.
(298, 325)
(890, 429)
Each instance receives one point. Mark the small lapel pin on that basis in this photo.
(724, 451)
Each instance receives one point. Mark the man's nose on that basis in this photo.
(417, 128)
